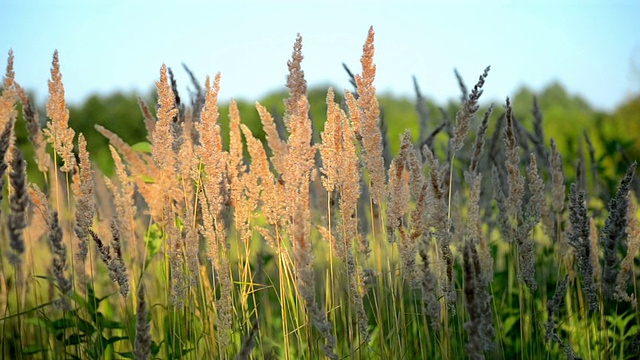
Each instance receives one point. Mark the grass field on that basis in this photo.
(470, 242)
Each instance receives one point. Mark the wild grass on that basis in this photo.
(463, 245)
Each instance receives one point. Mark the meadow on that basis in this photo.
(476, 239)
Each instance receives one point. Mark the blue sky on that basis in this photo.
(590, 47)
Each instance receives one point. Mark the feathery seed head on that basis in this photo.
(18, 205)
(479, 143)
(83, 193)
(296, 84)
(369, 116)
(633, 245)
(614, 231)
(142, 344)
(163, 135)
(58, 133)
(580, 240)
(469, 108)
(557, 179)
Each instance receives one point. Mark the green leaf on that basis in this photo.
(79, 300)
(94, 302)
(126, 355)
(48, 278)
(64, 323)
(97, 348)
(115, 339)
(85, 326)
(39, 321)
(147, 179)
(34, 309)
(155, 348)
(143, 147)
(508, 324)
(72, 321)
(179, 224)
(33, 349)
(153, 242)
(105, 323)
(74, 339)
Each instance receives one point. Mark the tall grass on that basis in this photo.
(204, 247)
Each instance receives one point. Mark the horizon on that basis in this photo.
(117, 47)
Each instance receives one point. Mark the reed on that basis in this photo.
(304, 246)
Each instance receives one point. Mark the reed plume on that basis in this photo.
(8, 96)
(210, 153)
(297, 85)
(300, 163)
(478, 146)
(57, 132)
(467, 112)
(478, 304)
(633, 244)
(514, 179)
(331, 146)
(429, 284)
(407, 178)
(149, 119)
(579, 239)
(276, 144)
(175, 252)
(32, 118)
(123, 197)
(243, 187)
(188, 165)
(439, 219)
(595, 251)
(557, 187)
(369, 116)
(474, 229)
(350, 182)
(264, 185)
(16, 222)
(614, 231)
(142, 344)
(236, 166)
(352, 107)
(59, 250)
(269, 190)
(594, 164)
(114, 262)
(83, 193)
(212, 202)
(164, 134)
(553, 307)
(531, 218)
(5, 141)
(399, 195)
(342, 175)
(419, 189)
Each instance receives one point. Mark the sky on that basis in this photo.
(592, 48)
